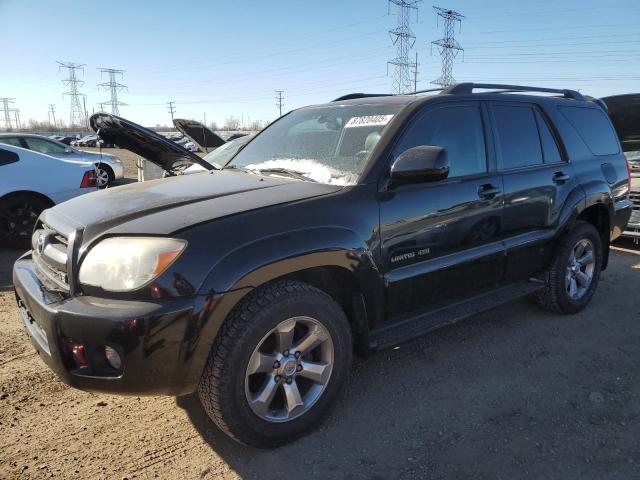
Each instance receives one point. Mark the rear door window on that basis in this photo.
(594, 127)
(14, 141)
(518, 140)
(549, 146)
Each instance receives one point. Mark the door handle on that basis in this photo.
(560, 177)
(488, 191)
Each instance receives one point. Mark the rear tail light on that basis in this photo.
(88, 179)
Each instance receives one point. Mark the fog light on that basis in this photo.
(113, 358)
(77, 353)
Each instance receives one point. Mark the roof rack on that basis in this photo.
(351, 96)
(462, 88)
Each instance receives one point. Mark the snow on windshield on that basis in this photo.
(309, 168)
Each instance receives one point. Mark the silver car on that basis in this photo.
(109, 167)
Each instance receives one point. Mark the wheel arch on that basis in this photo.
(33, 193)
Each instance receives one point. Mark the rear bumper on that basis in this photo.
(156, 341)
(622, 214)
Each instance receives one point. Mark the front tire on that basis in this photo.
(277, 364)
(573, 276)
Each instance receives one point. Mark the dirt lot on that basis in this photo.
(516, 393)
(511, 394)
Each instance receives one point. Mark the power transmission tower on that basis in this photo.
(114, 87)
(77, 115)
(448, 46)
(16, 113)
(279, 100)
(52, 113)
(172, 109)
(7, 111)
(403, 39)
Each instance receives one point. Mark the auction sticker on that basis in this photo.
(368, 121)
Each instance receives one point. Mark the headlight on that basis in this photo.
(120, 264)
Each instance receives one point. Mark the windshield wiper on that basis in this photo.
(286, 171)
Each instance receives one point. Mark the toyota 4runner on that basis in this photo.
(341, 228)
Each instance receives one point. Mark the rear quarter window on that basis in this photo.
(7, 157)
(595, 129)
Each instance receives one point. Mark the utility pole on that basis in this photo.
(403, 39)
(86, 116)
(52, 113)
(7, 111)
(415, 74)
(77, 115)
(279, 100)
(172, 109)
(448, 47)
(114, 87)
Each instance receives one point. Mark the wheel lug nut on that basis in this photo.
(298, 354)
(278, 378)
(285, 353)
(289, 381)
(276, 364)
(299, 368)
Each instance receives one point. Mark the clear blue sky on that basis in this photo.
(227, 58)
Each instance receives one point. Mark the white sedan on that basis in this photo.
(109, 167)
(31, 182)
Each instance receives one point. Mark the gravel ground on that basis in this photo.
(515, 393)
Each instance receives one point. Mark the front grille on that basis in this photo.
(50, 254)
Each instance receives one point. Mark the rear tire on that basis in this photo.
(253, 339)
(105, 176)
(573, 276)
(18, 216)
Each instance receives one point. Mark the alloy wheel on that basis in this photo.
(102, 179)
(580, 269)
(289, 369)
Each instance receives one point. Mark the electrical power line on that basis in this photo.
(448, 46)
(279, 100)
(52, 113)
(77, 114)
(403, 39)
(114, 87)
(172, 109)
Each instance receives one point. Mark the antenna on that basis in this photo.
(448, 47)
(403, 39)
(77, 116)
(114, 87)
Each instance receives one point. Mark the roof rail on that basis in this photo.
(461, 88)
(351, 96)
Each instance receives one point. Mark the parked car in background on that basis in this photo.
(31, 182)
(109, 167)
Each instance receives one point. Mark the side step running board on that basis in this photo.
(424, 323)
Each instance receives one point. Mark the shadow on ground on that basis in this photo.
(513, 393)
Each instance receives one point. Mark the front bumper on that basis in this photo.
(157, 341)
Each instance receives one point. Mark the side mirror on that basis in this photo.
(425, 163)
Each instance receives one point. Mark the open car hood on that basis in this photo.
(199, 134)
(624, 111)
(168, 155)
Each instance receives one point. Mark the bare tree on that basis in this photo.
(231, 123)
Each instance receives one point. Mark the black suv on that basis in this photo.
(345, 227)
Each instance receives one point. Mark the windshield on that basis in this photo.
(221, 155)
(325, 144)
